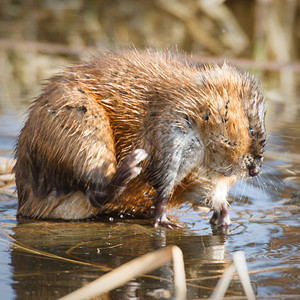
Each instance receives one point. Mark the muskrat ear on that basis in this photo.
(188, 121)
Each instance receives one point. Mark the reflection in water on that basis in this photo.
(96, 247)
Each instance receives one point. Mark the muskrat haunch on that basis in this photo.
(130, 130)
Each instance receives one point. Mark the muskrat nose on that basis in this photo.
(253, 170)
(254, 167)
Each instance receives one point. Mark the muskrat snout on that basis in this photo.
(255, 167)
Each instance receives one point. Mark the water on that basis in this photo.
(46, 260)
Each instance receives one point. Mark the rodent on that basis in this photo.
(130, 130)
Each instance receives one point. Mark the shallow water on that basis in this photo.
(46, 260)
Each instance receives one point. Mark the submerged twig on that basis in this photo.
(26, 248)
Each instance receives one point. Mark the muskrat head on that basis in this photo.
(233, 122)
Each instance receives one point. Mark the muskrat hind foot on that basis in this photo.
(126, 171)
(220, 218)
(128, 168)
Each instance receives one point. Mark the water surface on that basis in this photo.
(46, 260)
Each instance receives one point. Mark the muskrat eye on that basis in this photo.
(251, 131)
(205, 117)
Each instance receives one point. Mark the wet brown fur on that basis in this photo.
(93, 115)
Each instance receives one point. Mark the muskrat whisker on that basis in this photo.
(261, 184)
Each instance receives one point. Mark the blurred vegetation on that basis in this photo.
(38, 37)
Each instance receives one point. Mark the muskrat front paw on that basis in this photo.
(220, 218)
(165, 222)
(160, 218)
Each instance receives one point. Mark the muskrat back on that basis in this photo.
(130, 130)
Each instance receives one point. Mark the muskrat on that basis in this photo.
(135, 131)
